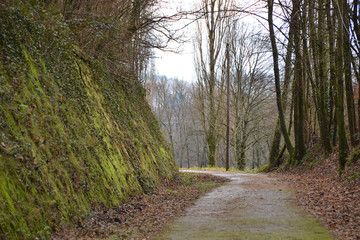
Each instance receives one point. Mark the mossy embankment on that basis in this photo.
(72, 135)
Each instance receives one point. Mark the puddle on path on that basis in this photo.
(251, 206)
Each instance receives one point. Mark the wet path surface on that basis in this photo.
(251, 206)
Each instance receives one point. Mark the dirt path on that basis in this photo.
(251, 206)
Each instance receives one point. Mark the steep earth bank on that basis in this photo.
(72, 135)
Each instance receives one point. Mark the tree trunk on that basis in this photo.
(227, 165)
(356, 20)
(241, 157)
(277, 78)
(347, 71)
(275, 146)
(343, 145)
(274, 152)
(321, 83)
(298, 81)
(330, 21)
(211, 141)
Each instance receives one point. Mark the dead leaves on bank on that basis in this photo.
(332, 198)
(142, 216)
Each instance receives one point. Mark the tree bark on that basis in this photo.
(277, 78)
(274, 151)
(347, 73)
(299, 150)
(211, 138)
(330, 21)
(356, 21)
(227, 164)
(320, 84)
(343, 145)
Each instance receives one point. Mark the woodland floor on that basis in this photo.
(142, 216)
(334, 199)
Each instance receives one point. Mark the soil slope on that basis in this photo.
(72, 135)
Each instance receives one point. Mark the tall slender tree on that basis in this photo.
(320, 82)
(348, 73)
(275, 54)
(227, 164)
(275, 145)
(299, 150)
(211, 87)
(343, 145)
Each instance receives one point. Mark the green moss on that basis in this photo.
(72, 138)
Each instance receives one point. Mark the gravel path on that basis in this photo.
(251, 206)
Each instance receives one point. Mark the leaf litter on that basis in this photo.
(144, 215)
(333, 198)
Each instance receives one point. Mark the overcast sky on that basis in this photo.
(178, 65)
(181, 65)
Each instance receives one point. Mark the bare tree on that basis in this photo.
(164, 107)
(209, 49)
(172, 101)
(275, 54)
(250, 89)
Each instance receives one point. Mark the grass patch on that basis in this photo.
(200, 182)
(215, 169)
(204, 187)
(262, 169)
